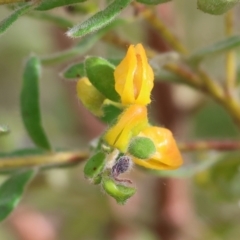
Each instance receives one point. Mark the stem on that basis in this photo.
(43, 161)
(187, 76)
(200, 80)
(229, 145)
(230, 56)
(159, 26)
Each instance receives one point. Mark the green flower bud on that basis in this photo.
(142, 147)
(119, 192)
(94, 167)
(216, 7)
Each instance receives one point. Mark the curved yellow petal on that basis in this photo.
(123, 76)
(167, 155)
(128, 125)
(91, 98)
(134, 77)
(144, 77)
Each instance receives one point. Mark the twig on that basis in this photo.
(156, 23)
(57, 159)
(227, 145)
(230, 56)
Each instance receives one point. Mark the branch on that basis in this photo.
(226, 145)
(230, 57)
(56, 159)
(159, 26)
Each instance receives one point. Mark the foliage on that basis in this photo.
(219, 119)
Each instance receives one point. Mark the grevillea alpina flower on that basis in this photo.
(128, 125)
(167, 155)
(134, 77)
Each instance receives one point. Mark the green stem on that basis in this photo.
(229, 145)
(56, 159)
(230, 56)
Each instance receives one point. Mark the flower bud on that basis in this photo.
(119, 192)
(167, 155)
(134, 77)
(142, 147)
(128, 125)
(91, 98)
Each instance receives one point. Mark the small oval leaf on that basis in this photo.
(12, 190)
(7, 22)
(110, 113)
(49, 4)
(99, 20)
(100, 74)
(215, 48)
(216, 7)
(95, 165)
(29, 101)
(74, 71)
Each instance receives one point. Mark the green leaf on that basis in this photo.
(74, 71)
(216, 48)
(110, 113)
(216, 7)
(7, 22)
(84, 45)
(49, 4)
(95, 165)
(77, 70)
(12, 190)
(100, 74)
(153, 2)
(29, 101)
(99, 20)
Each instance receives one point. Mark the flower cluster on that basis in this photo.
(121, 94)
(134, 82)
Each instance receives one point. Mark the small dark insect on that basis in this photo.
(121, 166)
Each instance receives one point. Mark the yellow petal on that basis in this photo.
(144, 77)
(134, 77)
(123, 75)
(91, 98)
(167, 155)
(128, 125)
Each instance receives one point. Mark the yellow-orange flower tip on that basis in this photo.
(167, 155)
(128, 125)
(134, 77)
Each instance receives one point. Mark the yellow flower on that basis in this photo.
(167, 155)
(128, 125)
(134, 77)
(91, 98)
